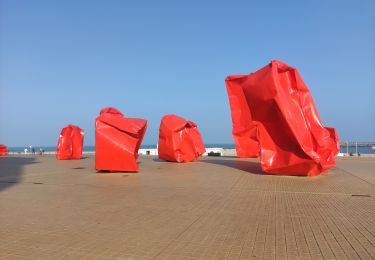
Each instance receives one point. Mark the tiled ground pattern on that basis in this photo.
(216, 208)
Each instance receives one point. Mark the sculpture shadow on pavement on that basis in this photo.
(12, 169)
(239, 164)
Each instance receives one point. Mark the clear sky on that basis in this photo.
(62, 61)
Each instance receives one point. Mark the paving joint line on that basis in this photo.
(372, 184)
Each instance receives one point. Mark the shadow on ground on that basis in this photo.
(230, 161)
(160, 160)
(247, 166)
(11, 170)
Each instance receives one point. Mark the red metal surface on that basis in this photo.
(3, 150)
(70, 143)
(274, 117)
(179, 140)
(117, 139)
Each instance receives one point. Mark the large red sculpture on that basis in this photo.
(117, 139)
(3, 150)
(70, 143)
(179, 140)
(274, 117)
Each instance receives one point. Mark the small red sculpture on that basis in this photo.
(117, 141)
(274, 117)
(70, 143)
(3, 150)
(179, 140)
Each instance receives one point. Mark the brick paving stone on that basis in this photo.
(214, 208)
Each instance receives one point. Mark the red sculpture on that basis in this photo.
(3, 150)
(118, 139)
(70, 143)
(179, 140)
(274, 117)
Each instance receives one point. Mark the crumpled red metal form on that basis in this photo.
(70, 143)
(179, 140)
(3, 150)
(117, 139)
(274, 117)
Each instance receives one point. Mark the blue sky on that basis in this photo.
(62, 61)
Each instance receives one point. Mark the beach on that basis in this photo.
(213, 208)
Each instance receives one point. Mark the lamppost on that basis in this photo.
(356, 149)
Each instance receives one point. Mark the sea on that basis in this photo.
(361, 150)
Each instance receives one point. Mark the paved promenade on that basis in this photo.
(215, 208)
